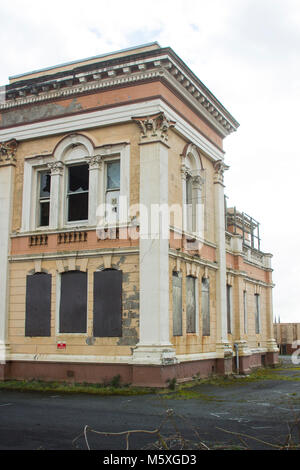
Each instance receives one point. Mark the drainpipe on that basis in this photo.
(236, 347)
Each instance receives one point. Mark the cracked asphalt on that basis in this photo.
(262, 409)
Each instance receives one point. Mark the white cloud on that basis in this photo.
(246, 52)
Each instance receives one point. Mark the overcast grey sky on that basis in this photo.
(247, 52)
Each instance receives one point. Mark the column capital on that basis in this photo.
(8, 151)
(95, 162)
(154, 128)
(219, 167)
(56, 168)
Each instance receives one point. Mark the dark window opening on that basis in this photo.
(73, 302)
(38, 305)
(107, 303)
(44, 198)
(78, 193)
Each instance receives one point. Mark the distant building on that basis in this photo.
(287, 335)
(91, 152)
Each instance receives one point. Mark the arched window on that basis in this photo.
(205, 307)
(38, 305)
(73, 302)
(192, 190)
(107, 315)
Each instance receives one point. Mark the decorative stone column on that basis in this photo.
(223, 348)
(242, 348)
(272, 348)
(154, 347)
(7, 176)
(57, 171)
(95, 167)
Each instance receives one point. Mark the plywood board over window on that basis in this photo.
(177, 304)
(38, 305)
(205, 307)
(73, 302)
(190, 304)
(107, 319)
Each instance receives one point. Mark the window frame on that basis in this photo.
(67, 194)
(42, 200)
(58, 304)
(196, 298)
(257, 314)
(229, 308)
(63, 155)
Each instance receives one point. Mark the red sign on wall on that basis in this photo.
(61, 345)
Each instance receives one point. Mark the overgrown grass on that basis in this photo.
(63, 387)
(185, 391)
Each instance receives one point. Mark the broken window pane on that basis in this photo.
(113, 175)
(44, 198)
(78, 192)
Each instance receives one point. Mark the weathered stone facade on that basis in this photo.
(145, 110)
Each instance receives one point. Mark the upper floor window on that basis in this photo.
(192, 190)
(44, 182)
(112, 190)
(82, 179)
(78, 193)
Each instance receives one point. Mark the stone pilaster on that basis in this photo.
(223, 348)
(154, 345)
(7, 176)
(95, 168)
(57, 171)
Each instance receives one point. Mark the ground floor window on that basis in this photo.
(73, 302)
(177, 304)
(229, 307)
(107, 315)
(257, 313)
(190, 304)
(38, 305)
(205, 307)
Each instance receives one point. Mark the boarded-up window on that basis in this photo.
(108, 303)
(205, 307)
(177, 304)
(190, 304)
(257, 313)
(245, 312)
(228, 298)
(73, 302)
(38, 305)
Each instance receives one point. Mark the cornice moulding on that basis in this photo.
(122, 74)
